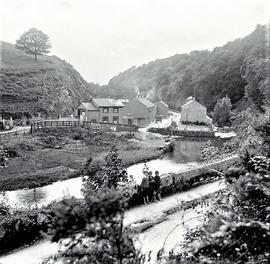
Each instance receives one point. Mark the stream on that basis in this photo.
(171, 229)
(186, 155)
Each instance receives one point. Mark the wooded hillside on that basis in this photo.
(205, 75)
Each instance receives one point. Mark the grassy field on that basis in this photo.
(43, 158)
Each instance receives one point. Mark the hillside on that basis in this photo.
(205, 75)
(49, 86)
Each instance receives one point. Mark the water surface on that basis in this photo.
(186, 155)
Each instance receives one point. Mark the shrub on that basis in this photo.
(20, 227)
(93, 231)
(242, 233)
(196, 123)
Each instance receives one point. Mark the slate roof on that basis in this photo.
(108, 102)
(146, 102)
(88, 107)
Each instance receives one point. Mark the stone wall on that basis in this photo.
(222, 165)
(183, 133)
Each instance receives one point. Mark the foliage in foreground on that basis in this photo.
(20, 227)
(237, 227)
(94, 232)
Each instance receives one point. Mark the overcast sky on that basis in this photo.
(101, 38)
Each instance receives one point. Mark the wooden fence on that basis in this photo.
(36, 126)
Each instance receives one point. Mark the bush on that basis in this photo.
(50, 141)
(16, 147)
(242, 233)
(21, 227)
(196, 123)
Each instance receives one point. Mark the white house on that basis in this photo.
(192, 111)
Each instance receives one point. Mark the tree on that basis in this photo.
(93, 230)
(222, 112)
(263, 129)
(257, 77)
(34, 42)
(111, 174)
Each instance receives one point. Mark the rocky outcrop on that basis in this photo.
(49, 86)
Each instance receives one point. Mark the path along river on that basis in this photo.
(150, 240)
(186, 155)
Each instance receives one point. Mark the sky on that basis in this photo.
(102, 38)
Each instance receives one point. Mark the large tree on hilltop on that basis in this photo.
(34, 42)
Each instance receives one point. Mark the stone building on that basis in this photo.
(102, 110)
(192, 111)
(139, 111)
(162, 110)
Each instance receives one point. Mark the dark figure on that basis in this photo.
(145, 188)
(157, 185)
(151, 185)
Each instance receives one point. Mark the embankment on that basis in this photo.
(25, 226)
(185, 180)
(42, 159)
(181, 133)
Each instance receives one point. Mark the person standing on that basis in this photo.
(157, 185)
(145, 187)
(151, 185)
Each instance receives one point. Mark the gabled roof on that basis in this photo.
(124, 101)
(190, 102)
(146, 102)
(160, 101)
(108, 102)
(88, 107)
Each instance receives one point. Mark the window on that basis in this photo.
(93, 120)
(105, 109)
(116, 110)
(105, 119)
(116, 119)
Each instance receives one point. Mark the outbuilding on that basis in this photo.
(139, 111)
(162, 109)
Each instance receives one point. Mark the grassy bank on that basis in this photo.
(53, 155)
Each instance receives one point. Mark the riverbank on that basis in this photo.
(55, 155)
(171, 183)
(151, 212)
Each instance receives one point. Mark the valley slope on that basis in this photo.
(206, 75)
(49, 86)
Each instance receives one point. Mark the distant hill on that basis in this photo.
(49, 86)
(205, 75)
